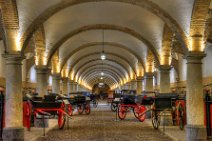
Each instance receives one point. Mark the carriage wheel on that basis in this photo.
(70, 111)
(87, 109)
(122, 112)
(113, 106)
(28, 115)
(142, 117)
(61, 120)
(80, 109)
(138, 110)
(155, 120)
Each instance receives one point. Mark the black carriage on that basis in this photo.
(128, 101)
(81, 102)
(163, 102)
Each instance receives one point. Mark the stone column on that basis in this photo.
(133, 85)
(148, 82)
(165, 78)
(56, 83)
(139, 85)
(76, 87)
(70, 86)
(128, 86)
(65, 85)
(42, 80)
(195, 129)
(13, 99)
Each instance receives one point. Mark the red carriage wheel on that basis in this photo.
(80, 109)
(61, 120)
(70, 111)
(138, 110)
(122, 112)
(87, 109)
(142, 115)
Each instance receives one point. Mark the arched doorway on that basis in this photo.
(101, 90)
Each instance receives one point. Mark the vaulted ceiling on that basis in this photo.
(131, 28)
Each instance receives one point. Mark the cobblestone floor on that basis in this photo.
(100, 126)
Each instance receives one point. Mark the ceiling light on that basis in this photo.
(102, 73)
(103, 56)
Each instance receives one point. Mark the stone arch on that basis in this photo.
(105, 27)
(107, 60)
(105, 43)
(146, 4)
(95, 53)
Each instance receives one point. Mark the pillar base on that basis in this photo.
(196, 133)
(149, 113)
(166, 119)
(13, 134)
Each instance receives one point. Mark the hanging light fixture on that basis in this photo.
(103, 55)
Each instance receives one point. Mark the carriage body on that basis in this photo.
(80, 101)
(47, 107)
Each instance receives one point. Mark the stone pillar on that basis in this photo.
(56, 83)
(139, 85)
(79, 88)
(165, 78)
(75, 86)
(128, 86)
(148, 82)
(195, 129)
(133, 85)
(13, 99)
(42, 80)
(65, 85)
(70, 86)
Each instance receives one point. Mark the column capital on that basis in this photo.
(148, 75)
(75, 83)
(195, 57)
(133, 80)
(56, 75)
(70, 81)
(42, 69)
(164, 68)
(64, 79)
(140, 78)
(13, 58)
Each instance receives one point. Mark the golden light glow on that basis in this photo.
(196, 44)
(72, 75)
(18, 45)
(64, 72)
(149, 67)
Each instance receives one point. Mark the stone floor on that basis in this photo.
(100, 126)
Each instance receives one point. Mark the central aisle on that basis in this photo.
(100, 126)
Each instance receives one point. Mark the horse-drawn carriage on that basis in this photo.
(80, 101)
(168, 102)
(51, 106)
(136, 103)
